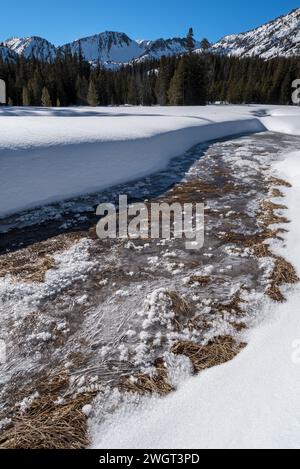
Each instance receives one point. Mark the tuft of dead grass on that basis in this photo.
(201, 279)
(283, 273)
(32, 263)
(218, 351)
(145, 384)
(178, 304)
(275, 294)
(31, 268)
(233, 307)
(279, 182)
(47, 425)
(239, 326)
(268, 205)
(249, 241)
(262, 250)
(197, 189)
(268, 216)
(276, 193)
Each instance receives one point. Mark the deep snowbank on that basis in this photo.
(283, 124)
(251, 402)
(43, 174)
(47, 155)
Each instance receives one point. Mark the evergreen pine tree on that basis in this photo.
(25, 96)
(163, 81)
(205, 44)
(36, 85)
(176, 91)
(46, 100)
(190, 42)
(82, 89)
(92, 97)
(132, 97)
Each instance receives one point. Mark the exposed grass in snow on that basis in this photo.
(143, 384)
(276, 193)
(215, 353)
(51, 421)
(284, 273)
(32, 263)
(120, 312)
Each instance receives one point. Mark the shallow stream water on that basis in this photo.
(103, 310)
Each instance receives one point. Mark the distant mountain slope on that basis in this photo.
(280, 37)
(156, 49)
(6, 54)
(108, 47)
(30, 47)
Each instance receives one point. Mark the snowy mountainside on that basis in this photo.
(110, 48)
(32, 47)
(6, 54)
(107, 47)
(156, 49)
(280, 37)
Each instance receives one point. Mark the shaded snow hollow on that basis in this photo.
(52, 155)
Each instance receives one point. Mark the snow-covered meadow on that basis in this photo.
(48, 155)
(250, 402)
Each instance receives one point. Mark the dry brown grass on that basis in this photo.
(262, 250)
(283, 273)
(239, 326)
(32, 263)
(234, 306)
(201, 279)
(268, 216)
(268, 205)
(216, 352)
(144, 384)
(198, 190)
(275, 294)
(178, 304)
(47, 425)
(276, 193)
(279, 182)
(233, 237)
(28, 267)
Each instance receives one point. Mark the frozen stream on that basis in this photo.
(103, 311)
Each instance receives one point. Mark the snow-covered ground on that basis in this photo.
(47, 155)
(250, 402)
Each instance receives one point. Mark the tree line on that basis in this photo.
(191, 79)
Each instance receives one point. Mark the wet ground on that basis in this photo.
(103, 311)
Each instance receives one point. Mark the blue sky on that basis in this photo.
(61, 21)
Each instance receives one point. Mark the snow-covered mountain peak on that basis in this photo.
(280, 37)
(6, 54)
(32, 47)
(107, 47)
(175, 46)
